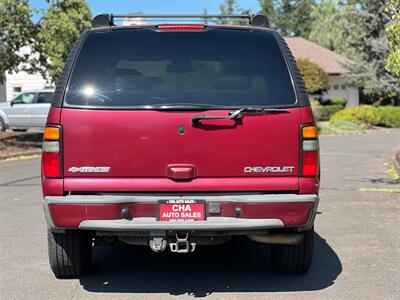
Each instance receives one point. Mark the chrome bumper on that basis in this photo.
(148, 223)
(212, 223)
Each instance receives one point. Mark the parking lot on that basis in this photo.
(357, 247)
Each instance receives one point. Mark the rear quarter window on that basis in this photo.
(142, 67)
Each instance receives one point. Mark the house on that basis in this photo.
(329, 61)
(17, 82)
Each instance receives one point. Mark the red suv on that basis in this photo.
(178, 136)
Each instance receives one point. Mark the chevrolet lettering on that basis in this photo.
(268, 169)
(89, 169)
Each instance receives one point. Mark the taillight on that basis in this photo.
(177, 27)
(310, 149)
(51, 156)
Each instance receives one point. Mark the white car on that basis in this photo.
(27, 110)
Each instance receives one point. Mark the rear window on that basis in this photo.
(141, 67)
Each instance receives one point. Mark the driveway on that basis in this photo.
(357, 249)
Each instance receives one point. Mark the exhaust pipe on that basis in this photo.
(278, 238)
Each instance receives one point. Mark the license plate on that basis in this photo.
(181, 210)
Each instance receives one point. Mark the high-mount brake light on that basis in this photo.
(51, 152)
(173, 27)
(309, 149)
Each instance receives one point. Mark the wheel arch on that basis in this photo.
(3, 116)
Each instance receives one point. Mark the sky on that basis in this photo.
(153, 6)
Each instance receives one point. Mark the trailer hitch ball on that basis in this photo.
(158, 244)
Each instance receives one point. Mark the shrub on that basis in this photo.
(338, 101)
(325, 112)
(389, 116)
(346, 126)
(361, 115)
(315, 105)
(315, 78)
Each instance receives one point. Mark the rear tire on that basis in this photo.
(293, 259)
(2, 125)
(70, 253)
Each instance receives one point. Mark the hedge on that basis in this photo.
(325, 112)
(389, 116)
(367, 115)
(315, 79)
(337, 101)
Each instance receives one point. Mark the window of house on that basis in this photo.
(17, 90)
(335, 87)
(343, 87)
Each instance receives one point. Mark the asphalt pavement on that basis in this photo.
(357, 249)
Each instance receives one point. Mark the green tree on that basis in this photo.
(228, 7)
(61, 25)
(289, 17)
(17, 31)
(315, 78)
(368, 71)
(268, 8)
(393, 31)
(231, 7)
(328, 28)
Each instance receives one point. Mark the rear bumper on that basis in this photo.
(103, 212)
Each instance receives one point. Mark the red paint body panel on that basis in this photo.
(142, 143)
(165, 184)
(307, 115)
(309, 185)
(52, 186)
(71, 215)
(54, 115)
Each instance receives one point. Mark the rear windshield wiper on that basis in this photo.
(238, 114)
(182, 106)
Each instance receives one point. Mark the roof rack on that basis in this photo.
(106, 20)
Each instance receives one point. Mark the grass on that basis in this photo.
(393, 173)
(340, 127)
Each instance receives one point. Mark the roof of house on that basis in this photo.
(326, 59)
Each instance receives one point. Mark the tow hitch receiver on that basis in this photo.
(158, 241)
(182, 245)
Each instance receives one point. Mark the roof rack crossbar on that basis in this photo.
(106, 20)
(183, 16)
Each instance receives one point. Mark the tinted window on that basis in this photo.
(25, 98)
(44, 98)
(136, 67)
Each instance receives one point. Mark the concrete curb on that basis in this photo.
(359, 132)
(19, 154)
